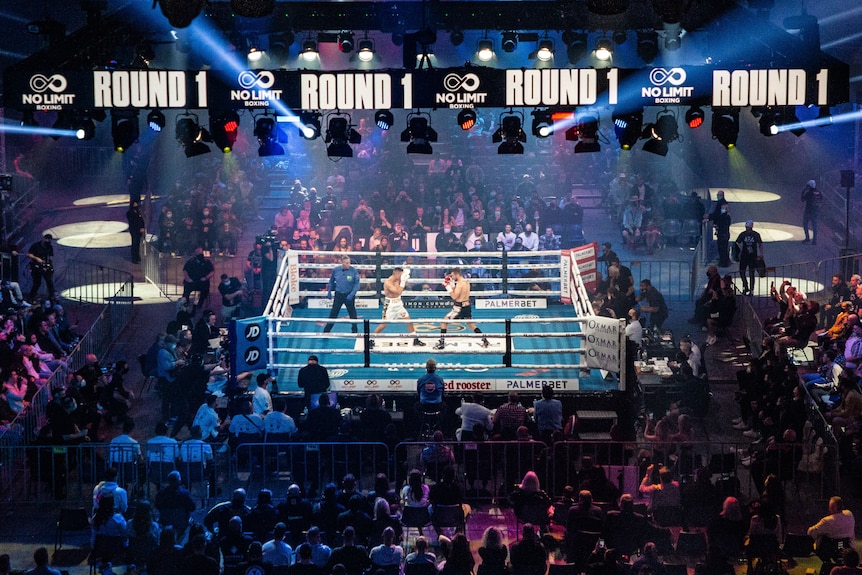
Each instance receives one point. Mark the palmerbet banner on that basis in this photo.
(248, 345)
(467, 87)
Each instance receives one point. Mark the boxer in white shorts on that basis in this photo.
(393, 307)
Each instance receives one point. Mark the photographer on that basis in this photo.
(269, 246)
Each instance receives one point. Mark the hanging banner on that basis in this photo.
(292, 278)
(565, 276)
(602, 343)
(248, 344)
(585, 259)
(468, 87)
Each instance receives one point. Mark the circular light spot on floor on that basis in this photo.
(113, 200)
(94, 227)
(770, 232)
(762, 285)
(144, 293)
(743, 196)
(118, 240)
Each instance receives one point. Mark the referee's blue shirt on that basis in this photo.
(344, 281)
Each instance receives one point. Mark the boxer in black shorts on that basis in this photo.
(459, 288)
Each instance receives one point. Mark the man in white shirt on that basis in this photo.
(161, 448)
(507, 236)
(246, 422)
(476, 234)
(207, 419)
(262, 401)
(276, 550)
(195, 450)
(123, 448)
(839, 524)
(471, 413)
(109, 487)
(277, 422)
(529, 240)
(634, 329)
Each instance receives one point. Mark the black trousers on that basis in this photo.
(38, 276)
(749, 264)
(338, 300)
(136, 248)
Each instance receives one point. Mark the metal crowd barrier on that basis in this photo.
(166, 271)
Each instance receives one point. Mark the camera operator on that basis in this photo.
(269, 246)
(253, 265)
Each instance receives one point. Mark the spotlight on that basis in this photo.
(659, 134)
(366, 50)
(725, 126)
(545, 52)
(604, 50)
(485, 50)
(224, 126)
(279, 47)
(309, 125)
(607, 7)
(588, 132)
(648, 46)
(419, 133)
(543, 123)
(191, 136)
(345, 42)
(656, 147)
(627, 128)
(252, 8)
(576, 46)
(180, 13)
(672, 36)
(467, 118)
(156, 120)
(144, 54)
(267, 132)
(384, 119)
(456, 37)
(780, 117)
(339, 135)
(694, 117)
(254, 54)
(124, 129)
(309, 50)
(510, 135)
(509, 41)
(767, 121)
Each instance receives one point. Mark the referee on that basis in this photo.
(345, 282)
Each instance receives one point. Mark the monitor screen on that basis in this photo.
(315, 400)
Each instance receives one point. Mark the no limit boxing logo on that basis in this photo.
(256, 89)
(672, 76)
(262, 80)
(40, 83)
(667, 86)
(47, 92)
(461, 91)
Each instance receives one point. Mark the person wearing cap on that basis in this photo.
(632, 221)
(313, 379)
(262, 401)
(231, 292)
(344, 281)
(41, 256)
(812, 198)
(750, 250)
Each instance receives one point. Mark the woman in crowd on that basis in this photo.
(415, 493)
(460, 559)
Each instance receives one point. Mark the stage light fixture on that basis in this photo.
(224, 127)
(672, 35)
(725, 126)
(180, 13)
(543, 123)
(576, 45)
(467, 118)
(384, 119)
(345, 42)
(85, 123)
(510, 135)
(456, 37)
(252, 8)
(607, 7)
(366, 50)
(191, 136)
(268, 136)
(156, 120)
(340, 134)
(279, 47)
(694, 117)
(620, 37)
(254, 54)
(419, 133)
(309, 126)
(656, 147)
(627, 128)
(309, 50)
(144, 54)
(659, 134)
(545, 51)
(485, 50)
(766, 121)
(604, 50)
(647, 46)
(124, 129)
(588, 134)
(509, 41)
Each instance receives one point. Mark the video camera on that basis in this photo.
(267, 240)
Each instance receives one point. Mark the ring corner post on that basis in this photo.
(507, 355)
(366, 337)
(623, 357)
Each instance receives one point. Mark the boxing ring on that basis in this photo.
(532, 307)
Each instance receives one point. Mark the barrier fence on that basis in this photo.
(166, 271)
(489, 469)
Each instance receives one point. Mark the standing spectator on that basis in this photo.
(509, 417)
(197, 273)
(313, 379)
(750, 251)
(548, 413)
(811, 197)
(720, 218)
(473, 413)
(344, 281)
(137, 229)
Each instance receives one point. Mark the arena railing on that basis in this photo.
(16, 211)
(166, 271)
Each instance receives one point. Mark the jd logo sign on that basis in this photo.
(252, 355)
(252, 332)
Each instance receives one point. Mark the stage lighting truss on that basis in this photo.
(694, 117)
(309, 126)
(156, 120)
(340, 134)
(252, 8)
(224, 127)
(485, 50)
(588, 132)
(269, 136)
(191, 136)
(384, 119)
(543, 123)
(124, 129)
(419, 133)
(510, 135)
(509, 41)
(607, 7)
(725, 126)
(467, 118)
(627, 128)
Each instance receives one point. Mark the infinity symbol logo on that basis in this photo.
(56, 83)
(262, 79)
(469, 82)
(662, 76)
